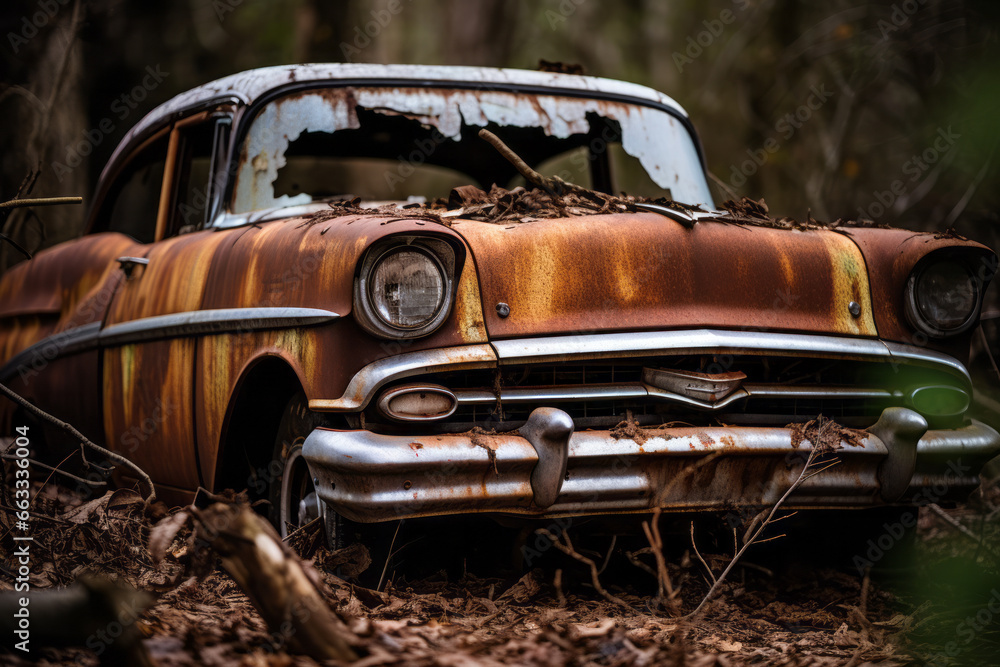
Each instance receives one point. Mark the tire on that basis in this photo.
(292, 492)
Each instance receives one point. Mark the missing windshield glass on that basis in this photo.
(381, 145)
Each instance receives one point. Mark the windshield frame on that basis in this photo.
(249, 114)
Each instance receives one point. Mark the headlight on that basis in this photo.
(405, 290)
(942, 298)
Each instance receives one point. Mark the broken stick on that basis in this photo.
(273, 577)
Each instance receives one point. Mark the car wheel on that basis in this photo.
(293, 497)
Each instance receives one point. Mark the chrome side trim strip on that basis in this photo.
(200, 322)
(220, 320)
(34, 357)
(702, 341)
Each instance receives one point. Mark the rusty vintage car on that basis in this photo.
(319, 283)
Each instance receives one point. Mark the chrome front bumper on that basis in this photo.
(544, 471)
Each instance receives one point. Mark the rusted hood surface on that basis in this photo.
(643, 271)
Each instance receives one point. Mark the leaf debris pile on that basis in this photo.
(797, 615)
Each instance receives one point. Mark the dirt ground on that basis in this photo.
(774, 610)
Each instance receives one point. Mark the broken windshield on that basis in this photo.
(416, 144)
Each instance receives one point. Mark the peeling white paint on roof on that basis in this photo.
(660, 143)
(249, 86)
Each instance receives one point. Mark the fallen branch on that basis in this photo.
(93, 612)
(522, 167)
(276, 581)
(79, 437)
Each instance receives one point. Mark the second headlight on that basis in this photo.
(942, 298)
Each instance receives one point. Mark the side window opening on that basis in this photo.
(130, 207)
(183, 161)
(200, 148)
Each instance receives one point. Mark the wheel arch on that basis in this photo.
(251, 424)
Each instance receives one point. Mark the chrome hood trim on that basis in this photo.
(704, 341)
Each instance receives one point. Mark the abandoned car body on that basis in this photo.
(289, 284)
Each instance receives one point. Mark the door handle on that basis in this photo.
(128, 264)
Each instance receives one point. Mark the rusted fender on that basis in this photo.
(891, 254)
(642, 271)
(43, 295)
(294, 262)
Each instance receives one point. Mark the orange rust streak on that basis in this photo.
(641, 271)
(147, 400)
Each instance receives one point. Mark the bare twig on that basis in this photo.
(55, 469)
(764, 524)
(698, 554)
(522, 167)
(41, 201)
(17, 246)
(607, 556)
(633, 557)
(79, 437)
(724, 186)
(957, 525)
(865, 584)
(388, 557)
(557, 582)
(964, 201)
(666, 593)
(568, 549)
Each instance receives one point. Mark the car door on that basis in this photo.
(148, 361)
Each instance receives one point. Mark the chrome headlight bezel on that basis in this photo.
(367, 314)
(918, 319)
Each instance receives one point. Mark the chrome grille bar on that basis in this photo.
(541, 395)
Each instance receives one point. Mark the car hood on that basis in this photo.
(635, 271)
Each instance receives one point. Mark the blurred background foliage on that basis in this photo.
(841, 109)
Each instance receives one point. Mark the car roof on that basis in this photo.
(251, 85)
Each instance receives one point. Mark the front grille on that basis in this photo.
(889, 385)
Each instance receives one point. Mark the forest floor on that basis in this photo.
(779, 608)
